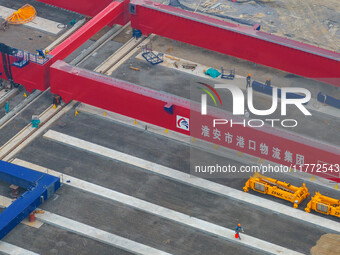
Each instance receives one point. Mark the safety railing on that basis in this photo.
(22, 55)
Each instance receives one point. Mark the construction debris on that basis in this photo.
(189, 66)
(134, 68)
(172, 58)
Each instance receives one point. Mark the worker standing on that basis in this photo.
(268, 82)
(237, 231)
(248, 81)
(35, 121)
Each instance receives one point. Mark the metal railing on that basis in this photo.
(30, 57)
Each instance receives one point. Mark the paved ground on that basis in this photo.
(51, 240)
(134, 224)
(155, 189)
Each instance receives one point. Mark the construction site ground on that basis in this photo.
(308, 21)
(182, 84)
(136, 224)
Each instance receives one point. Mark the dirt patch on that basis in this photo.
(328, 244)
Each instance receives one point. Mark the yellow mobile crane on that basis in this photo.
(277, 188)
(323, 204)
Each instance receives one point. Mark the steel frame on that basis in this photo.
(39, 186)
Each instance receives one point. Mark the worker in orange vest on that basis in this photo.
(237, 231)
(248, 81)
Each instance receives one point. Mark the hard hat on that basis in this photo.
(268, 79)
(239, 225)
(249, 74)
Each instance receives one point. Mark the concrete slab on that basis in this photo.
(97, 234)
(50, 240)
(10, 249)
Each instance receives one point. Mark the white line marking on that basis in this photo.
(10, 249)
(204, 226)
(87, 231)
(97, 234)
(202, 145)
(194, 181)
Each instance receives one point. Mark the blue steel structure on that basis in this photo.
(39, 187)
(326, 99)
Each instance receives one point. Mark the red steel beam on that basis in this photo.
(32, 76)
(110, 13)
(90, 7)
(86, 7)
(148, 105)
(36, 76)
(236, 40)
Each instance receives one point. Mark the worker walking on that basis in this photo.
(237, 231)
(248, 81)
(268, 82)
(7, 107)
